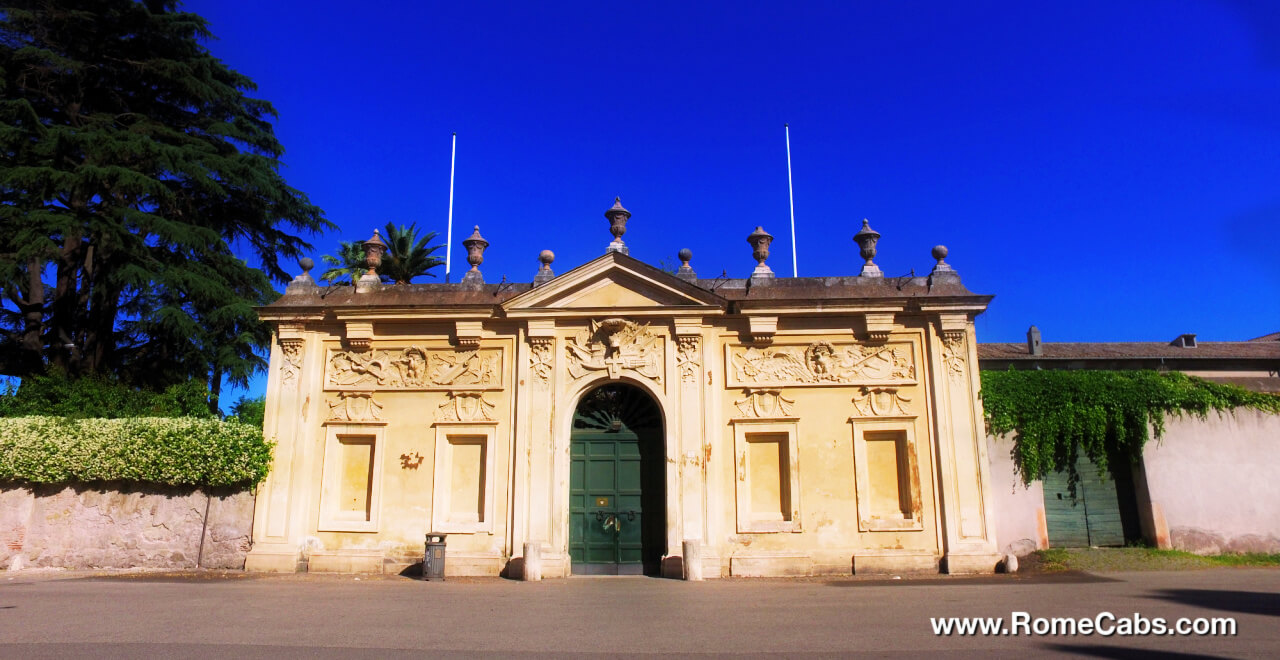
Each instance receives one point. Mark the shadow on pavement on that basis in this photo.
(1100, 651)
(1064, 577)
(1245, 602)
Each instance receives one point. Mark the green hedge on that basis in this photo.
(157, 450)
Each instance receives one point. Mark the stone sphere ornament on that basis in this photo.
(685, 271)
(303, 279)
(544, 274)
(942, 268)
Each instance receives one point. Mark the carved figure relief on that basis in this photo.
(765, 403)
(615, 345)
(820, 363)
(354, 407)
(953, 355)
(291, 350)
(414, 368)
(688, 358)
(465, 407)
(541, 359)
(881, 401)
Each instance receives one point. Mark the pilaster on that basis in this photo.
(963, 472)
(541, 385)
(689, 368)
(276, 546)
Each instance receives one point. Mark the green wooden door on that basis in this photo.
(614, 475)
(1091, 518)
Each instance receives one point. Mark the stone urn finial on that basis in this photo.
(544, 275)
(475, 245)
(866, 238)
(374, 248)
(617, 226)
(760, 240)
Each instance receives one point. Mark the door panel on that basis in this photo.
(1091, 518)
(615, 478)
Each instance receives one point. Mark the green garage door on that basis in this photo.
(616, 508)
(1091, 518)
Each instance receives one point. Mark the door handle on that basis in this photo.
(631, 516)
(599, 516)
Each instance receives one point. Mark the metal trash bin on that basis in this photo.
(433, 558)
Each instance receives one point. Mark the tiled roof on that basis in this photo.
(1217, 350)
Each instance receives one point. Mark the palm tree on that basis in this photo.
(408, 255)
(346, 266)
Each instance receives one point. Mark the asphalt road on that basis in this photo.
(46, 615)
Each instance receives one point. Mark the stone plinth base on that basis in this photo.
(268, 559)
(962, 564)
(894, 563)
(346, 561)
(770, 566)
(471, 564)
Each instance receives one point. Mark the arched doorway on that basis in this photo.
(617, 503)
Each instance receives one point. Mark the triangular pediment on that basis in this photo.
(614, 283)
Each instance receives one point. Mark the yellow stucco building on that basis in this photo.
(621, 419)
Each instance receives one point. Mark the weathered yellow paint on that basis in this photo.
(503, 470)
(769, 478)
(885, 463)
(357, 474)
(467, 477)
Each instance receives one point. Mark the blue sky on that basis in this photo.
(1108, 170)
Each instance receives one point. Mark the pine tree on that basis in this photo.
(130, 160)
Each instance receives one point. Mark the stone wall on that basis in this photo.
(1208, 486)
(1019, 508)
(123, 526)
(1211, 484)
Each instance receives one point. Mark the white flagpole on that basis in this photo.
(795, 266)
(448, 241)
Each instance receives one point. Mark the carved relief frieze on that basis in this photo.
(688, 358)
(414, 368)
(820, 363)
(465, 407)
(881, 402)
(764, 404)
(953, 354)
(291, 351)
(354, 407)
(541, 359)
(615, 346)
